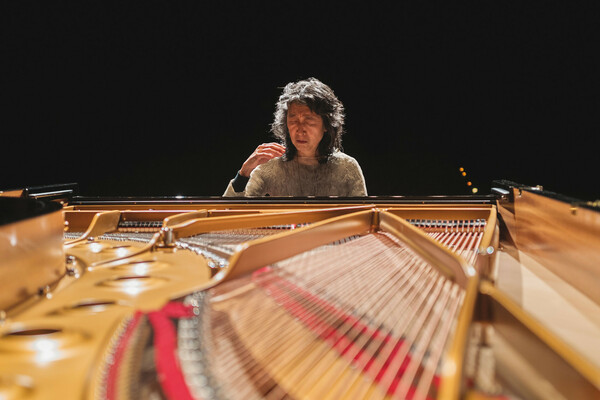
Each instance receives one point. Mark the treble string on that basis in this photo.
(316, 277)
(351, 330)
(452, 234)
(269, 329)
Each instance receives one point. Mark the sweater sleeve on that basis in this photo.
(236, 186)
(230, 191)
(254, 186)
(357, 186)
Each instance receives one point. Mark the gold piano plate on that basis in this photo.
(16, 387)
(48, 340)
(432, 298)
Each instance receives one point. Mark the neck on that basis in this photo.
(307, 160)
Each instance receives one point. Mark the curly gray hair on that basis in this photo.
(321, 100)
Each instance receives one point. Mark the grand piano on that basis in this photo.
(437, 297)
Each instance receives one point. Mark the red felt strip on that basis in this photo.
(113, 370)
(169, 372)
(337, 327)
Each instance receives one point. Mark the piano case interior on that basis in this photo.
(446, 297)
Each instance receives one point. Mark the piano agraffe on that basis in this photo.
(444, 297)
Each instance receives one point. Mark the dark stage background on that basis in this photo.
(169, 98)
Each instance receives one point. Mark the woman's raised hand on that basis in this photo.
(261, 155)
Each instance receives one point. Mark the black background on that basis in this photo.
(170, 97)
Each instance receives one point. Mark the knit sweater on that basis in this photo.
(339, 176)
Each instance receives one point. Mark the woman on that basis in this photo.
(309, 122)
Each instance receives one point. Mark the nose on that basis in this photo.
(301, 127)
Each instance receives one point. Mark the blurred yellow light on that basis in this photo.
(464, 174)
(469, 183)
(474, 190)
(461, 169)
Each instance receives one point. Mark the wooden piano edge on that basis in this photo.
(569, 371)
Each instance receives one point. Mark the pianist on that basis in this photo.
(308, 160)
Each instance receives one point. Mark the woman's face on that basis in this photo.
(306, 129)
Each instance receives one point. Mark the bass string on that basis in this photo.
(319, 283)
(323, 282)
(438, 343)
(462, 243)
(415, 364)
(413, 330)
(430, 225)
(273, 330)
(454, 239)
(461, 249)
(364, 343)
(235, 370)
(471, 247)
(473, 255)
(398, 358)
(265, 324)
(421, 345)
(467, 245)
(413, 302)
(316, 279)
(449, 239)
(357, 347)
(388, 378)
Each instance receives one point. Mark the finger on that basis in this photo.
(268, 154)
(273, 146)
(262, 154)
(276, 149)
